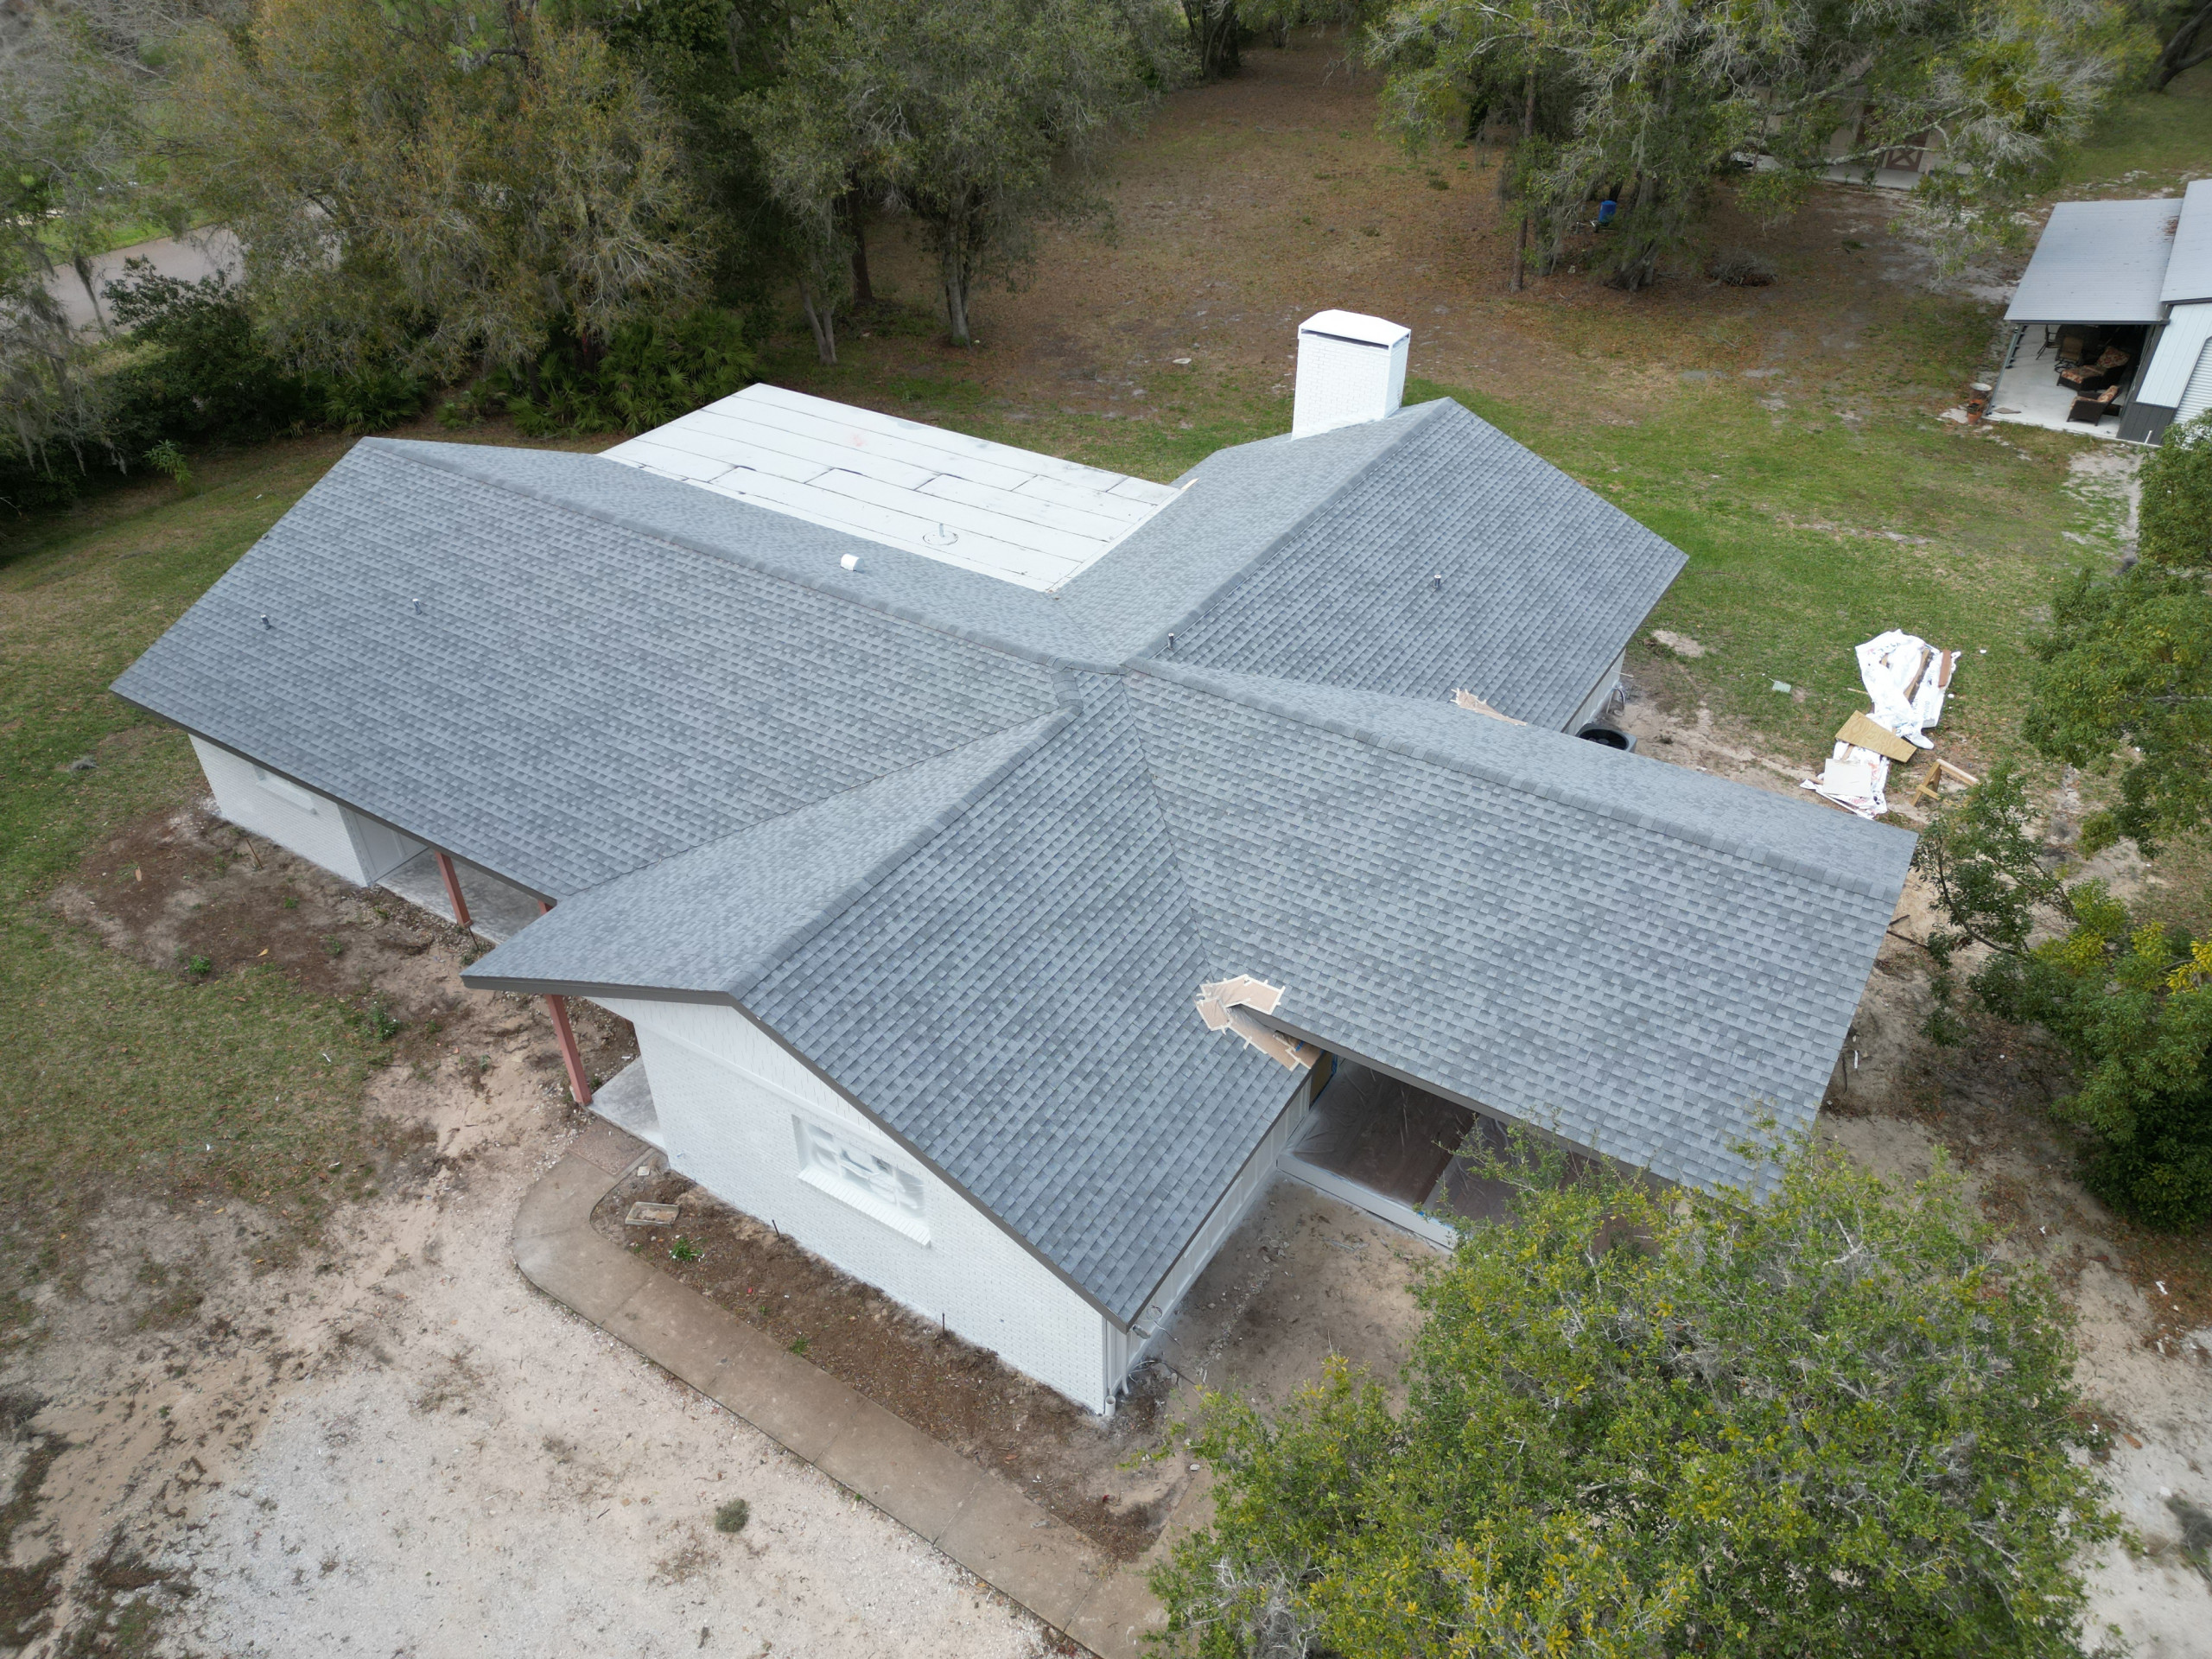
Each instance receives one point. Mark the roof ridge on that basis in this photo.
(1202, 680)
(1422, 414)
(1046, 726)
(409, 452)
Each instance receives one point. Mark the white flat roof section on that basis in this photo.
(2189, 273)
(1030, 520)
(2099, 262)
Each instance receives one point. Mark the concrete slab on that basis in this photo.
(594, 1282)
(613, 1151)
(793, 1402)
(901, 1471)
(562, 1201)
(682, 1332)
(1044, 1564)
(498, 910)
(626, 1100)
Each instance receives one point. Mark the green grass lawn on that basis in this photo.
(127, 1078)
(2149, 140)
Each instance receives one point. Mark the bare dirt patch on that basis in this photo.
(1108, 1478)
(185, 891)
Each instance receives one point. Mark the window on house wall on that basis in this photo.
(284, 790)
(846, 1168)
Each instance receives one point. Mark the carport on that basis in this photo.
(2086, 316)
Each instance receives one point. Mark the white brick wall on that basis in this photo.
(726, 1096)
(320, 830)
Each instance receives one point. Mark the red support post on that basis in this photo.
(579, 1084)
(453, 888)
(571, 1056)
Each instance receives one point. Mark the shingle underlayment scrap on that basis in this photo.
(972, 849)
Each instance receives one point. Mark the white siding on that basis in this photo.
(1594, 705)
(727, 1096)
(318, 828)
(2197, 396)
(1125, 1348)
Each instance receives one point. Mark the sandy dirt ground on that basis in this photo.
(395, 1445)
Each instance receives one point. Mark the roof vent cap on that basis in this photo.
(1350, 368)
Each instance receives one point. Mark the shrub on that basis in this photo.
(1738, 269)
(2175, 518)
(372, 400)
(651, 372)
(733, 1515)
(1830, 1421)
(194, 366)
(2131, 1004)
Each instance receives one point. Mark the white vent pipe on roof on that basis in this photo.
(1351, 369)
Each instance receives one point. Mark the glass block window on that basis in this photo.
(846, 1167)
(284, 790)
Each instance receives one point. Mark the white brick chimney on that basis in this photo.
(1350, 368)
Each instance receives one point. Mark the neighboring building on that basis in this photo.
(2111, 320)
(1008, 865)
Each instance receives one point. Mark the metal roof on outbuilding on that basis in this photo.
(2188, 272)
(2099, 262)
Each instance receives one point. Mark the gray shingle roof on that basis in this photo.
(1640, 958)
(716, 918)
(1323, 553)
(945, 839)
(573, 700)
(1015, 1002)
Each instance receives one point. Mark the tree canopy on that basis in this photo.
(425, 182)
(1831, 1420)
(71, 145)
(978, 119)
(1645, 101)
(2126, 666)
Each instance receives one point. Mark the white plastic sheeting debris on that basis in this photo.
(1908, 679)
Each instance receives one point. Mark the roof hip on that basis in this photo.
(1403, 427)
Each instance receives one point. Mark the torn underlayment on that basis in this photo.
(1908, 679)
(1469, 700)
(1222, 1006)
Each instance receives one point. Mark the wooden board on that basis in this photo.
(1862, 733)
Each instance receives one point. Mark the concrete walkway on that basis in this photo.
(971, 1514)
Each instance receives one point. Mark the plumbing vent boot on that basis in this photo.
(1351, 369)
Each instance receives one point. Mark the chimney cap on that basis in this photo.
(1356, 327)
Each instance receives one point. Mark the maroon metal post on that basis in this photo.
(579, 1084)
(453, 888)
(571, 1056)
